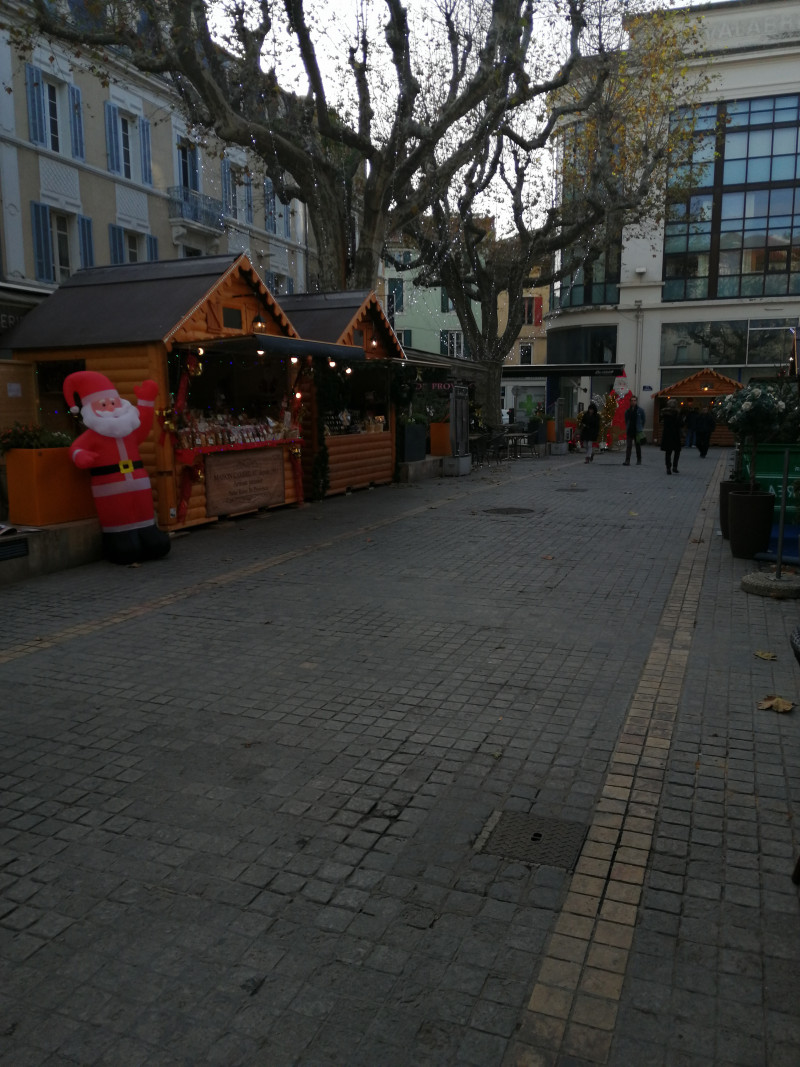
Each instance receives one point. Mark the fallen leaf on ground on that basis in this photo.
(765, 655)
(773, 703)
(633, 512)
(546, 557)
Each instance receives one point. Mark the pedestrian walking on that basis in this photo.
(634, 431)
(703, 430)
(671, 435)
(692, 416)
(590, 430)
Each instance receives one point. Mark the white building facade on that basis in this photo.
(718, 283)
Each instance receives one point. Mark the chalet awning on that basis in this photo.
(276, 345)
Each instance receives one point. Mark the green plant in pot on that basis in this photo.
(753, 415)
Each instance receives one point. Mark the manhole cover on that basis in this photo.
(509, 511)
(533, 839)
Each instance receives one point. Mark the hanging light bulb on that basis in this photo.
(293, 359)
(348, 370)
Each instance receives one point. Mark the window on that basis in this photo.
(526, 355)
(128, 145)
(127, 246)
(188, 167)
(270, 213)
(53, 107)
(404, 337)
(395, 296)
(527, 311)
(738, 234)
(230, 206)
(287, 221)
(61, 243)
(451, 343)
(447, 303)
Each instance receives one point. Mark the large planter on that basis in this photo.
(45, 488)
(412, 439)
(725, 489)
(440, 439)
(750, 523)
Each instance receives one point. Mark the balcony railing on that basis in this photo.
(194, 207)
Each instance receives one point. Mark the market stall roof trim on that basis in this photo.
(132, 303)
(704, 382)
(338, 318)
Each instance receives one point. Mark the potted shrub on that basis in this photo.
(753, 415)
(44, 486)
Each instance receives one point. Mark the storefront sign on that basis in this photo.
(244, 481)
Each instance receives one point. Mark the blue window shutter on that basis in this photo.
(42, 246)
(445, 300)
(269, 280)
(289, 285)
(116, 243)
(113, 146)
(443, 349)
(269, 206)
(152, 248)
(35, 89)
(86, 241)
(248, 199)
(227, 188)
(76, 123)
(287, 221)
(144, 148)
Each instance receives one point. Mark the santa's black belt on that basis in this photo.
(125, 466)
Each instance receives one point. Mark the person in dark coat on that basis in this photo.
(704, 428)
(590, 430)
(671, 435)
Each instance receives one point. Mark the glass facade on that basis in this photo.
(763, 343)
(737, 231)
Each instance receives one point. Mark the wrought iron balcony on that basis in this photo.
(194, 207)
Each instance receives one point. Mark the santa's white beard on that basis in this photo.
(118, 423)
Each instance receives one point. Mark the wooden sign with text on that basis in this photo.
(244, 481)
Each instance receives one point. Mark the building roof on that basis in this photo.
(132, 303)
(339, 317)
(704, 382)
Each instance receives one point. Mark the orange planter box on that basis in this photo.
(45, 487)
(440, 438)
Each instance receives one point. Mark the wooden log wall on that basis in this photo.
(358, 460)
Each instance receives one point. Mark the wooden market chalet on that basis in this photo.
(248, 407)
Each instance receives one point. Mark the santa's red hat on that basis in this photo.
(83, 386)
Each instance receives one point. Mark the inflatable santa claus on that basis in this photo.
(109, 450)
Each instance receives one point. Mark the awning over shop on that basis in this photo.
(565, 370)
(259, 344)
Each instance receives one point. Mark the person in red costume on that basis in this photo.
(109, 450)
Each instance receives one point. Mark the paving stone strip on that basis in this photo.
(573, 1008)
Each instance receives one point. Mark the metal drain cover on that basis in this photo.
(509, 511)
(532, 839)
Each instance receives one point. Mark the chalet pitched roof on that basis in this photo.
(334, 317)
(703, 381)
(132, 303)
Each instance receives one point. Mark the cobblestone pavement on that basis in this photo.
(249, 791)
